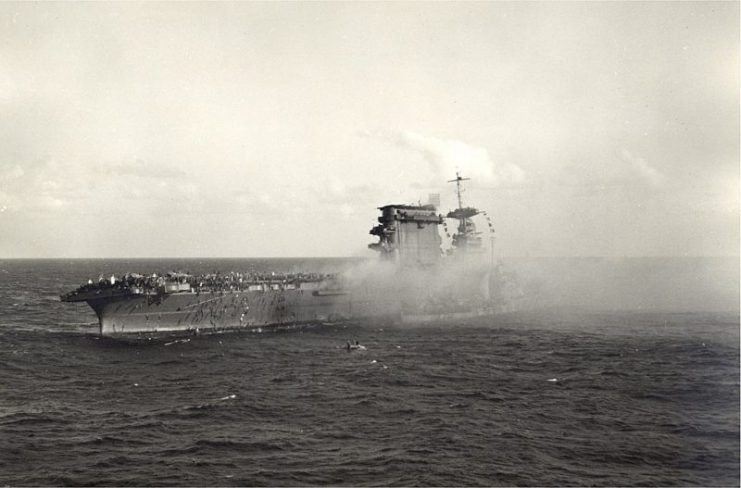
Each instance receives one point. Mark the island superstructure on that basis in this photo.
(414, 280)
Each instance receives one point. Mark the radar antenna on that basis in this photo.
(457, 180)
(466, 238)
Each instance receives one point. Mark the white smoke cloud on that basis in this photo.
(142, 169)
(12, 173)
(638, 167)
(448, 156)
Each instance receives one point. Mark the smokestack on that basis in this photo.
(434, 199)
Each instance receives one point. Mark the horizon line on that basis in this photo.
(538, 256)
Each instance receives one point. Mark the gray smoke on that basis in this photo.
(673, 285)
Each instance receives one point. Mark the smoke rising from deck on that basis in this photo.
(445, 157)
(666, 284)
(591, 284)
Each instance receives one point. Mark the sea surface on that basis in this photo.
(555, 394)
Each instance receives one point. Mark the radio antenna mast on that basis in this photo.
(457, 180)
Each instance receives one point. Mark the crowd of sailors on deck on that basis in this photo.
(217, 281)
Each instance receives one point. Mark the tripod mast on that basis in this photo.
(457, 180)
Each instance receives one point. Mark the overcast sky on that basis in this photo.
(276, 129)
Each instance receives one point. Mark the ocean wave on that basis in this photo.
(639, 400)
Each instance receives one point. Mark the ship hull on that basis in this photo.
(191, 312)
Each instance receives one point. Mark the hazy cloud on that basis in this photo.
(12, 173)
(142, 169)
(640, 169)
(230, 128)
(445, 157)
(54, 184)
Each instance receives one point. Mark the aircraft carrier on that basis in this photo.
(412, 281)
